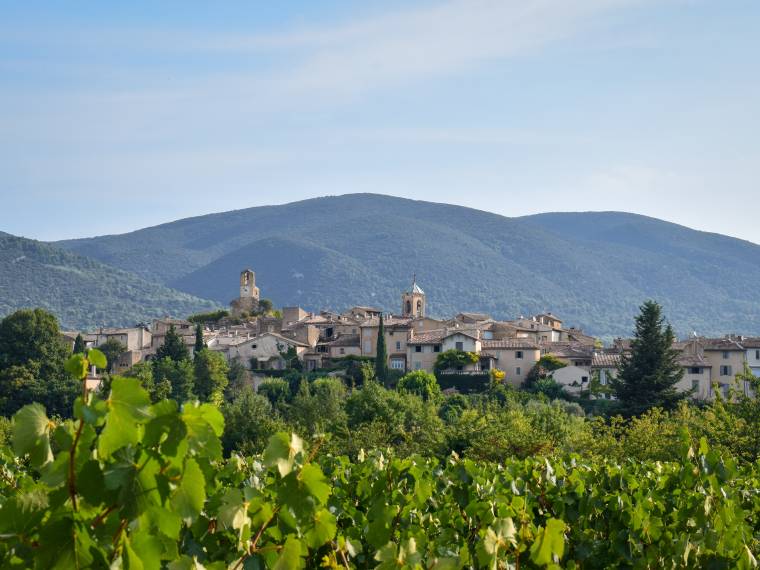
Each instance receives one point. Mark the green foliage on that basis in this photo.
(79, 345)
(250, 421)
(455, 360)
(211, 317)
(547, 364)
(647, 377)
(83, 293)
(180, 376)
(158, 390)
(381, 355)
(210, 376)
(276, 390)
(237, 379)
(32, 356)
(420, 383)
(199, 342)
(113, 350)
(173, 347)
(165, 497)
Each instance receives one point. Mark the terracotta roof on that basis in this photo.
(606, 359)
(568, 350)
(693, 360)
(510, 343)
(430, 337)
(752, 342)
(721, 344)
(345, 340)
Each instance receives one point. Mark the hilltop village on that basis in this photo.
(265, 341)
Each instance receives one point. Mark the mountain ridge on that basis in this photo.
(80, 291)
(592, 268)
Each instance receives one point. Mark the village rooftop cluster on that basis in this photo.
(414, 341)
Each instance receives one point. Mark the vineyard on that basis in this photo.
(132, 484)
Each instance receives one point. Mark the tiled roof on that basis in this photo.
(605, 359)
(510, 343)
(693, 360)
(345, 340)
(430, 337)
(721, 344)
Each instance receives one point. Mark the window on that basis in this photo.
(518, 371)
(695, 385)
(724, 389)
(398, 345)
(397, 364)
(519, 354)
(459, 345)
(367, 347)
(254, 346)
(584, 379)
(725, 371)
(437, 348)
(329, 332)
(695, 370)
(418, 348)
(342, 350)
(418, 365)
(725, 355)
(757, 355)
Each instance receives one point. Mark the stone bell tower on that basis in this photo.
(249, 294)
(413, 301)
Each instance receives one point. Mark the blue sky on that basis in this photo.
(116, 117)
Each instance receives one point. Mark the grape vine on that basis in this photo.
(131, 484)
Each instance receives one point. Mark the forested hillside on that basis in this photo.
(593, 269)
(82, 292)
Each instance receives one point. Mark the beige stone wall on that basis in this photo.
(515, 368)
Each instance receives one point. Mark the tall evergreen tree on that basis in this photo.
(173, 347)
(199, 344)
(647, 377)
(79, 346)
(381, 354)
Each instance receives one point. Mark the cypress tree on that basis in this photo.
(647, 377)
(79, 346)
(381, 354)
(199, 344)
(173, 347)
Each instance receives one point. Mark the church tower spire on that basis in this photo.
(413, 301)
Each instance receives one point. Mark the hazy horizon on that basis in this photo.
(115, 118)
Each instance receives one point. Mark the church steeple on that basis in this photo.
(413, 301)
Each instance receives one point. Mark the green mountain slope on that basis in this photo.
(593, 269)
(82, 292)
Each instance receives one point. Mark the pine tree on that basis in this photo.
(79, 346)
(173, 347)
(381, 354)
(647, 377)
(199, 343)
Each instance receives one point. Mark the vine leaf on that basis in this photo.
(31, 434)
(190, 496)
(129, 405)
(549, 543)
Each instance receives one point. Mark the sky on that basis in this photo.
(117, 116)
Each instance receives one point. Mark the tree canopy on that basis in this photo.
(648, 375)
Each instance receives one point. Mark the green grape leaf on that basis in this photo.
(281, 452)
(550, 542)
(233, 513)
(76, 365)
(313, 479)
(190, 496)
(97, 358)
(205, 424)
(143, 550)
(128, 406)
(323, 530)
(290, 555)
(31, 434)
